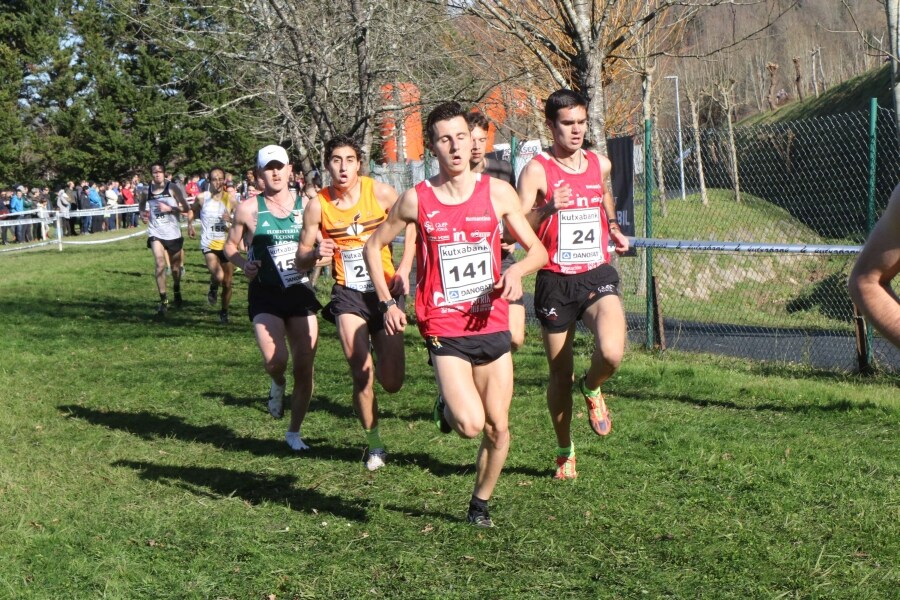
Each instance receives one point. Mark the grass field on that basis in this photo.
(138, 461)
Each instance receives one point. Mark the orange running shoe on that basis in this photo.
(598, 414)
(565, 468)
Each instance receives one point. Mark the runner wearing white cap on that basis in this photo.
(281, 305)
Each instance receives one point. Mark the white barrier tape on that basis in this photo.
(17, 222)
(106, 241)
(742, 247)
(19, 247)
(95, 212)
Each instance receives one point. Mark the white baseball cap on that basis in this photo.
(269, 154)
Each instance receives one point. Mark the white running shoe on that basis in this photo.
(294, 440)
(376, 459)
(276, 400)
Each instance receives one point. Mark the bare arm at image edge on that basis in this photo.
(877, 265)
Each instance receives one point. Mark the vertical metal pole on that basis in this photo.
(648, 227)
(873, 138)
(514, 154)
(870, 209)
(678, 121)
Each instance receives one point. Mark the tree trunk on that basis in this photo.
(772, 68)
(892, 9)
(658, 160)
(592, 88)
(363, 119)
(732, 147)
(695, 125)
(798, 78)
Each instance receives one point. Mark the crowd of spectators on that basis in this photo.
(21, 204)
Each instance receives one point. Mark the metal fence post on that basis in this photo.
(870, 212)
(513, 152)
(648, 227)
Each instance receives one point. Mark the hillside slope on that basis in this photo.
(853, 95)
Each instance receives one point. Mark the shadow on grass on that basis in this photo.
(149, 426)
(836, 406)
(114, 314)
(254, 488)
(319, 403)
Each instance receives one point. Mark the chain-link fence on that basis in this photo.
(820, 181)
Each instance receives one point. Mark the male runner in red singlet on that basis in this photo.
(501, 169)
(461, 297)
(345, 214)
(567, 198)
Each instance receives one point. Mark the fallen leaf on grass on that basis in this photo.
(428, 528)
(523, 483)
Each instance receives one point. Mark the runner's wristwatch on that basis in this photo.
(384, 305)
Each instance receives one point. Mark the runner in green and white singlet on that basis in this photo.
(282, 307)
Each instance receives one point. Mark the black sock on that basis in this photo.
(162, 297)
(478, 504)
(177, 287)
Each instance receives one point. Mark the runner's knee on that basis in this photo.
(389, 378)
(497, 434)
(517, 340)
(469, 425)
(610, 354)
(276, 364)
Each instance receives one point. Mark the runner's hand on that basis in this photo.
(251, 269)
(620, 240)
(394, 320)
(511, 284)
(561, 197)
(400, 284)
(325, 249)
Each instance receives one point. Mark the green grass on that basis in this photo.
(138, 461)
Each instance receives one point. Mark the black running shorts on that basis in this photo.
(476, 349)
(296, 301)
(346, 301)
(560, 300)
(173, 247)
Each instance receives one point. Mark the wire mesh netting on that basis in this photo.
(805, 182)
(810, 182)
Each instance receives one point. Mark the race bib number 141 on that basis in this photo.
(467, 271)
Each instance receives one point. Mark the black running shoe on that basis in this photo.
(162, 308)
(223, 317)
(438, 415)
(212, 295)
(479, 517)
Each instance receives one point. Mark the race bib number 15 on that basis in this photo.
(284, 257)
